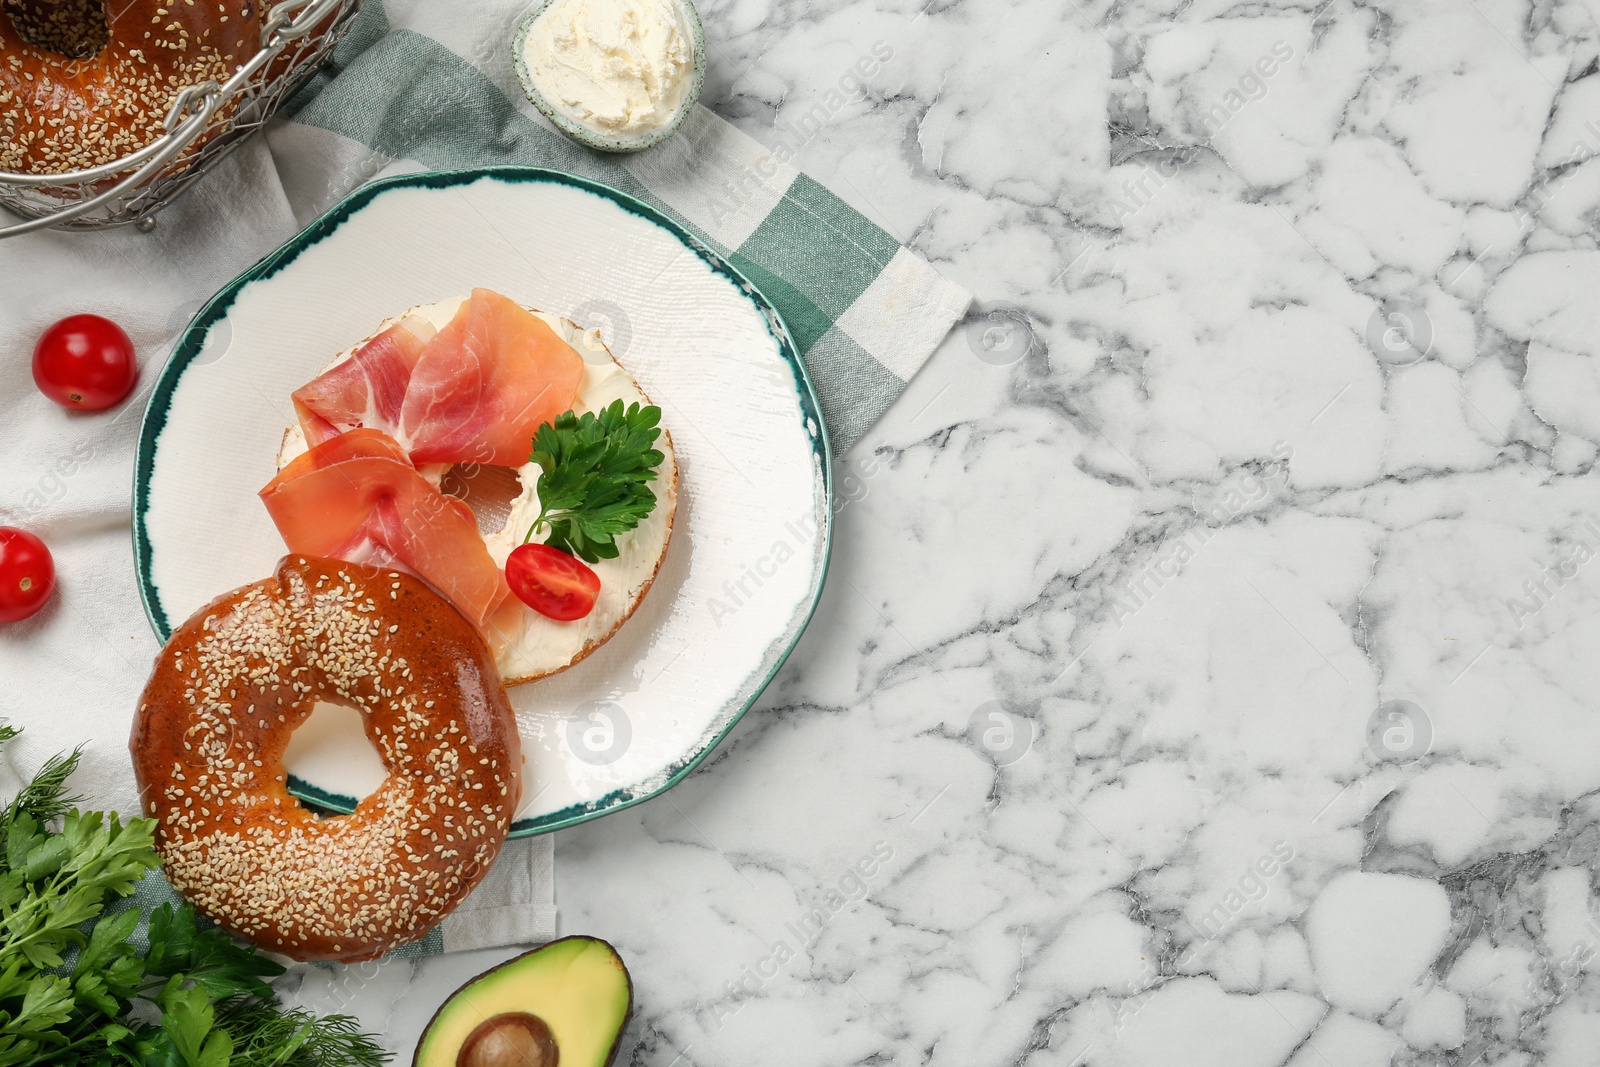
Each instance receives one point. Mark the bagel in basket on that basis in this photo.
(84, 83)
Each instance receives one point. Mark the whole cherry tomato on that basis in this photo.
(27, 574)
(84, 363)
(549, 581)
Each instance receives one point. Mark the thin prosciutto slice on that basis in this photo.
(474, 393)
(357, 497)
(367, 389)
(485, 383)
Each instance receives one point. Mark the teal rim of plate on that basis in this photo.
(193, 340)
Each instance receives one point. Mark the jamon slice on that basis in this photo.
(357, 497)
(367, 389)
(474, 392)
(485, 383)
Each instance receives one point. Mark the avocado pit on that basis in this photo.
(510, 1039)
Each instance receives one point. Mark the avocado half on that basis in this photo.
(565, 1003)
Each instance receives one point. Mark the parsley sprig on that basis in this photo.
(594, 469)
(76, 992)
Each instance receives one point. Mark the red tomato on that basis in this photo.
(27, 574)
(551, 582)
(84, 363)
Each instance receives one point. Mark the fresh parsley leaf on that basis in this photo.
(594, 470)
(216, 963)
(189, 1022)
(108, 942)
(48, 1002)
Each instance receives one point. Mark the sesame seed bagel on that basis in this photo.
(84, 82)
(208, 743)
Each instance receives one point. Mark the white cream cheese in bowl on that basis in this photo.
(617, 75)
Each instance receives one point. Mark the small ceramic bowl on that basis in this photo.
(593, 138)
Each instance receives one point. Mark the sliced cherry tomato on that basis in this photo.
(27, 574)
(85, 363)
(551, 582)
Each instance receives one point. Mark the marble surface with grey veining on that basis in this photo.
(1206, 673)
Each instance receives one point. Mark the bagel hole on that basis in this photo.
(331, 751)
(488, 491)
(76, 29)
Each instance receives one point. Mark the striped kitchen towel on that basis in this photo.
(431, 84)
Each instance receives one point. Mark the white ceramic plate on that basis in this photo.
(751, 538)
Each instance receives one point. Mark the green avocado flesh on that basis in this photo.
(565, 1003)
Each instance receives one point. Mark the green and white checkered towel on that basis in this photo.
(416, 84)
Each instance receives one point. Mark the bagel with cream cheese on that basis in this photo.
(504, 503)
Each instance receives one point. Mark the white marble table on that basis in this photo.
(1206, 670)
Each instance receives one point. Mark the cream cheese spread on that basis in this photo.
(620, 67)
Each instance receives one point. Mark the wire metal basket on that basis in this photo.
(296, 36)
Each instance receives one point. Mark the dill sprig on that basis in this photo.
(45, 796)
